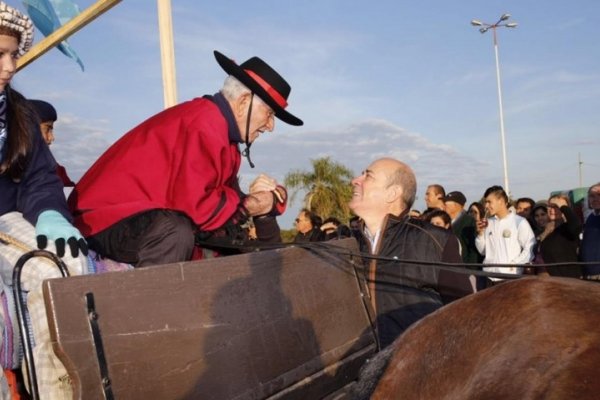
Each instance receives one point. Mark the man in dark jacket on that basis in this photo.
(308, 227)
(463, 226)
(590, 245)
(401, 291)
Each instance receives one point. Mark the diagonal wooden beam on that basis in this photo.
(68, 29)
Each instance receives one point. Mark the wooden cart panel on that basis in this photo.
(287, 323)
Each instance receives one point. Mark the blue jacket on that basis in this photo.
(40, 187)
(590, 245)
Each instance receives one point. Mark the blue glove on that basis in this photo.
(52, 225)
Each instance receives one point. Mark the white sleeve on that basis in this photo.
(480, 243)
(526, 240)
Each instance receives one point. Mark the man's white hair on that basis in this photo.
(233, 88)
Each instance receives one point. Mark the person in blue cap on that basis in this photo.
(47, 116)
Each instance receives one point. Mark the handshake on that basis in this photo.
(266, 197)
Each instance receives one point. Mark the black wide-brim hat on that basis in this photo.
(264, 81)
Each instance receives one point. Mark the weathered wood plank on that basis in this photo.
(285, 323)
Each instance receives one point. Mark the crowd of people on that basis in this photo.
(530, 235)
(522, 232)
(553, 233)
(495, 235)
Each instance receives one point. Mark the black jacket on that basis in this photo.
(314, 235)
(401, 292)
(561, 246)
(465, 230)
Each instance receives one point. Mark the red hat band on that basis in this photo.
(275, 95)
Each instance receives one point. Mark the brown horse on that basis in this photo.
(533, 338)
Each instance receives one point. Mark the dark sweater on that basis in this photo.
(39, 189)
(561, 246)
(590, 245)
(314, 235)
(466, 232)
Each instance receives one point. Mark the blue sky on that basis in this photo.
(411, 80)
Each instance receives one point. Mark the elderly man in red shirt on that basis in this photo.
(173, 178)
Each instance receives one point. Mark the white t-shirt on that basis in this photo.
(509, 240)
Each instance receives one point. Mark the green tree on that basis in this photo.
(328, 188)
(288, 235)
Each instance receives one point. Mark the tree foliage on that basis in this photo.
(328, 188)
(288, 235)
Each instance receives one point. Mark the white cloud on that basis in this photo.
(569, 24)
(79, 143)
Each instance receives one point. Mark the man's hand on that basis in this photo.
(271, 203)
(328, 227)
(280, 201)
(481, 225)
(263, 183)
(259, 203)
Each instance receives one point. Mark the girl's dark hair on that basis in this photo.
(315, 220)
(431, 214)
(538, 207)
(19, 118)
(5, 30)
(479, 207)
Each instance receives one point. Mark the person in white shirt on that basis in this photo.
(505, 237)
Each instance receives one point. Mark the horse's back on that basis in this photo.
(527, 339)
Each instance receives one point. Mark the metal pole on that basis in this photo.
(580, 171)
(502, 136)
(167, 53)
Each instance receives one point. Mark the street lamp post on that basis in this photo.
(484, 28)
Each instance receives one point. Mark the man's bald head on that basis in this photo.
(386, 187)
